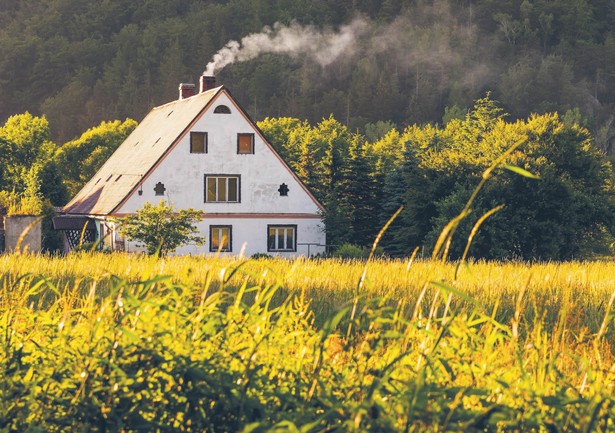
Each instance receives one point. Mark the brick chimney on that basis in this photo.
(207, 83)
(186, 90)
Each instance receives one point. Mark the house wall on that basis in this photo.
(23, 232)
(253, 232)
(262, 173)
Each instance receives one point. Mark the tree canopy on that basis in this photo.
(81, 63)
(562, 215)
(161, 229)
(81, 158)
(37, 175)
(568, 212)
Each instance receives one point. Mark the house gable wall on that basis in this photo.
(261, 174)
(180, 176)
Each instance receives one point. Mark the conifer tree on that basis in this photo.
(395, 240)
(360, 194)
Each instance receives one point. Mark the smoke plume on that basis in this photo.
(431, 55)
(322, 46)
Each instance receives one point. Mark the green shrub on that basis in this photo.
(257, 256)
(352, 251)
(161, 229)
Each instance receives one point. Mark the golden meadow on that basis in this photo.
(118, 342)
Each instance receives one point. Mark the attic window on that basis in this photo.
(222, 109)
(245, 144)
(283, 190)
(198, 142)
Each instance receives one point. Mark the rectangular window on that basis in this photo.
(245, 144)
(198, 142)
(281, 238)
(220, 238)
(222, 188)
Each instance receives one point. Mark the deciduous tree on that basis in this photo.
(161, 229)
(567, 213)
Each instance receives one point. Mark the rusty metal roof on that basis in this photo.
(136, 156)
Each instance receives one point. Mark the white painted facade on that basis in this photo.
(249, 236)
(261, 175)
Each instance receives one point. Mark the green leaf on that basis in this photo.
(521, 171)
(333, 322)
(449, 289)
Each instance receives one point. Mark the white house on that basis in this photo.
(202, 152)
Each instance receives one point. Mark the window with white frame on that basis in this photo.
(281, 238)
(222, 188)
(220, 238)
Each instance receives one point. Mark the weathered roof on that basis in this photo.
(147, 144)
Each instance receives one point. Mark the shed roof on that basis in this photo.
(73, 223)
(136, 156)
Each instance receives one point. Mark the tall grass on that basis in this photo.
(95, 342)
(331, 283)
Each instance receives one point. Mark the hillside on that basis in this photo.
(409, 61)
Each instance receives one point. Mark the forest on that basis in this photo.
(411, 113)
(79, 63)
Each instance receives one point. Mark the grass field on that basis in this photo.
(97, 342)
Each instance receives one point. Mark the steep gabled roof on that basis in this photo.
(131, 162)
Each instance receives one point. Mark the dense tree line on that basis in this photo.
(80, 63)
(569, 212)
(557, 192)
